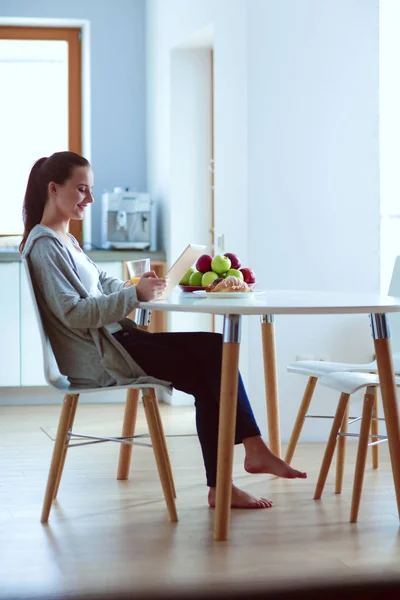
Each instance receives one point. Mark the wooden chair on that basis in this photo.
(347, 384)
(65, 433)
(315, 369)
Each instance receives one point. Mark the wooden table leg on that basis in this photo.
(271, 383)
(227, 424)
(380, 331)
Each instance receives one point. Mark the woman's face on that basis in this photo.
(72, 197)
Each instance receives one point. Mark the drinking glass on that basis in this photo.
(136, 268)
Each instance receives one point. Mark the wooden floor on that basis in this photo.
(105, 534)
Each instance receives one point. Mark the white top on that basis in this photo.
(279, 302)
(90, 278)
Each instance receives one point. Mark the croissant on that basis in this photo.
(230, 284)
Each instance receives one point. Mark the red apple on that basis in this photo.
(248, 275)
(235, 260)
(204, 263)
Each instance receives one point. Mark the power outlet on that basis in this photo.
(220, 243)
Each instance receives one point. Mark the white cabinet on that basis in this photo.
(9, 324)
(31, 347)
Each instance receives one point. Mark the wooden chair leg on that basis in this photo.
(159, 453)
(271, 385)
(128, 430)
(330, 447)
(164, 441)
(365, 428)
(341, 451)
(68, 407)
(375, 430)
(65, 450)
(298, 425)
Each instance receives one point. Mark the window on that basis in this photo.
(40, 109)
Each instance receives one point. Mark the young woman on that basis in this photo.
(84, 313)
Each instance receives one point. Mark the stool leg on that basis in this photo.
(375, 430)
(330, 447)
(301, 415)
(368, 406)
(65, 450)
(69, 405)
(159, 453)
(341, 451)
(128, 430)
(163, 440)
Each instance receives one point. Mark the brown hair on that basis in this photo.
(58, 168)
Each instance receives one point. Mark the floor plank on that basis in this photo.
(106, 534)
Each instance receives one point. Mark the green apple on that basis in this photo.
(186, 277)
(208, 278)
(195, 278)
(220, 264)
(235, 273)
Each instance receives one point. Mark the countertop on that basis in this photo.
(12, 255)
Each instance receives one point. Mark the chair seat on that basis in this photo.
(348, 382)
(318, 368)
(62, 384)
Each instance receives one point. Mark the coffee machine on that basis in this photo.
(128, 220)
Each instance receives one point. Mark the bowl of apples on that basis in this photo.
(208, 268)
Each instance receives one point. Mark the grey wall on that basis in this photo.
(118, 137)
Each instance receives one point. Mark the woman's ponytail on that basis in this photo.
(34, 200)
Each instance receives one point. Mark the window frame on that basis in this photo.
(73, 36)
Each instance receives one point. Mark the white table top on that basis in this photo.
(276, 302)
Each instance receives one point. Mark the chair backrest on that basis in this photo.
(394, 318)
(51, 371)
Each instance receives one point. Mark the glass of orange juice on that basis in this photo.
(136, 268)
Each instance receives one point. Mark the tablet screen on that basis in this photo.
(188, 257)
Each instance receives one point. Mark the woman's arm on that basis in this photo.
(59, 285)
(111, 284)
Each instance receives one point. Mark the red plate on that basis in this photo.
(191, 288)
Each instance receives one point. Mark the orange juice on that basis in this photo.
(134, 280)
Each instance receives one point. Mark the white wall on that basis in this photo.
(169, 25)
(297, 162)
(190, 179)
(389, 130)
(175, 24)
(313, 160)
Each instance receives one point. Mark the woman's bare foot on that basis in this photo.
(240, 499)
(260, 459)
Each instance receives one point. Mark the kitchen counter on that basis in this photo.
(13, 255)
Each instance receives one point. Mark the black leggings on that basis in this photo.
(192, 363)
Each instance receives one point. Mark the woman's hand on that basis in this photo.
(150, 287)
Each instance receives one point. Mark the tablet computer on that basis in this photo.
(182, 264)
